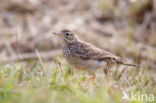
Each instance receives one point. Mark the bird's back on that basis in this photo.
(83, 50)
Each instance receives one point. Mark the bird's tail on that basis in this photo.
(118, 61)
(134, 65)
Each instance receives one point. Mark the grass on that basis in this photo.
(26, 83)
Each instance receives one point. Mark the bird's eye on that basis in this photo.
(67, 34)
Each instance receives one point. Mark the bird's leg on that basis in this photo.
(90, 79)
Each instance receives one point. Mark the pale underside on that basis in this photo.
(88, 65)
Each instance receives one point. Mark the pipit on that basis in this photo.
(85, 56)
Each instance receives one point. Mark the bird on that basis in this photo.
(85, 56)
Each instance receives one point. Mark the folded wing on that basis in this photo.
(87, 51)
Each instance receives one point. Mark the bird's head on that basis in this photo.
(67, 36)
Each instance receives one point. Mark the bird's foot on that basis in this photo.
(90, 79)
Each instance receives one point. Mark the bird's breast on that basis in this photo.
(68, 50)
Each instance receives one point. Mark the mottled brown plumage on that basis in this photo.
(83, 55)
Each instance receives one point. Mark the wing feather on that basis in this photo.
(87, 51)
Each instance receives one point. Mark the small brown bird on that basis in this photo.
(85, 56)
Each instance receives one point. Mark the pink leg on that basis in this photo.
(90, 79)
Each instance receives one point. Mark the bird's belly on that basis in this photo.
(86, 64)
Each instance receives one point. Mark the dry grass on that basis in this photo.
(46, 83)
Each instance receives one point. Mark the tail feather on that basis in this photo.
(134, 65)
(119, 61)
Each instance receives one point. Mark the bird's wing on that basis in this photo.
(87, 51)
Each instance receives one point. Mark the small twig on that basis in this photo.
(60, 65)
(10, 91)
(18, 35)
(27, 56)
(7, 31)
(10, 50)
(40, 60)
(126, 78)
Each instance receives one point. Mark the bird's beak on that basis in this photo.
(57, 34)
